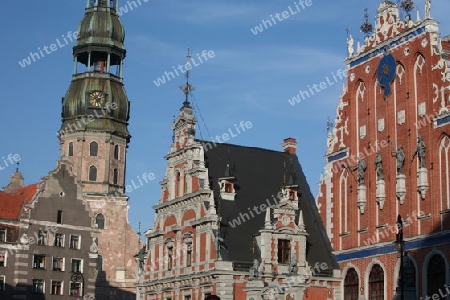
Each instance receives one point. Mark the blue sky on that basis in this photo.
(250, 78)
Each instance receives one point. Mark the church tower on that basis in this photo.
(94, 138)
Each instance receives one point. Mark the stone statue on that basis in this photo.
(254, 270)
(379, 166)
(350, 43)
(420, 152)
(293, 265)
(427, 9)
(400, 156)
(361, 167)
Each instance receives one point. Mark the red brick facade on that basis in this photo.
(360, 199)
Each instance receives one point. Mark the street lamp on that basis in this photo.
(400, 247)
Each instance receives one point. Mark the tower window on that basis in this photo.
(100, 221)
(115, 176)
(284, 251)
(92, 173)
(228, 187)
(93, 149)
(116, 152)
(70, 152)
(59, 217)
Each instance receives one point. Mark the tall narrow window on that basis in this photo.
(59, 217)
(74, 242)
(93, 149)
(57, 264)
(76, 265)
(2, 235)
(59, 240)
(116, 152)
(177, 184)
(376, 283)
(56, 288)
(184, 184)
(284, 251)
(3, 259)
(39, 261)
(436, 275)
(38, 286)
(2, 283)
(115, 176)
(75, 289)
(189, 256)
(170, 259)
(92, 173)
(70, 152)
(351, 285)
(42, 237)
(100, 221)
(99, 263)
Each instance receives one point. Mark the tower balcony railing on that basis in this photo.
(97, 74)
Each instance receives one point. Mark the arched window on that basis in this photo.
(115, 176)
(116, 152)
(70, 152)
(376, 283)
(436, 275)
(100, 221)
(177, 184)
(92, 173)
(351, 285)
(93, 149)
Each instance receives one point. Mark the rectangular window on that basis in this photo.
(284, 251)
(2, 283)
(38, 261)
(59, 217)
(56, 288)
(59, 240)
(2, 258)
(38, 286)
(74, 242)
(187, 297)
(42, 237)
(76, 265)
(76, 289)
(188, 257)
(2, 235)
(58, 264)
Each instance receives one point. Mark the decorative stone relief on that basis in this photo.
(368, 69)
(381, 125)
(362, 131)
(401, 117)
(422, 109)
(424, 43)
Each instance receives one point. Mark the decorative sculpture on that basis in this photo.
(420, 152)
(400, 156)
(361, 167)
(254, 270)
(379, 166)
(293, 266)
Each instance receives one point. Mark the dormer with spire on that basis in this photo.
(227, 183)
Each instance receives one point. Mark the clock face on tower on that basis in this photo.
(97, 99)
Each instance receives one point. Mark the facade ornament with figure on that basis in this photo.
(420, 152)
(254, 270)
(361, 167)
(379, 166)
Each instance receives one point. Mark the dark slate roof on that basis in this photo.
(259, 175)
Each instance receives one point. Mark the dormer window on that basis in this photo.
(227, 190)
(291, 195)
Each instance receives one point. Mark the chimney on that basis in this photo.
(290, 145)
